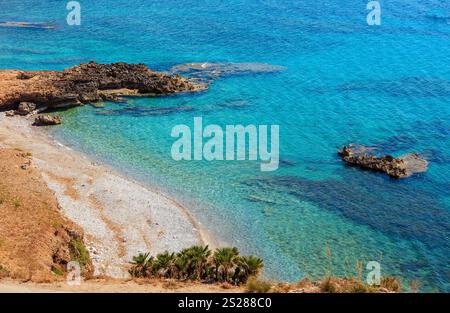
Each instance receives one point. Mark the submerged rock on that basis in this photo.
(211, 71)
(40, 25)
(146, 111)
(47, 120)
(404, 166)
(234, 104)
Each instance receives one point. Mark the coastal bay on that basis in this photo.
(316, 69)
(120, 217)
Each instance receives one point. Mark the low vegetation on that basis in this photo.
(353, 285)
(255, 285)
(198, 263)
(3, 272)
(226, 267)
(79, 253)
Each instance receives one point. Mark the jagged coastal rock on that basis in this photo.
(25, 108)
(42, 90)
(404, 166)
(47, 120)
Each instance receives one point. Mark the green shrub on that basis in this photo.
(140, 265)
(57, 271)
(79, 253)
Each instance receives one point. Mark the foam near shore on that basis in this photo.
(120, 217)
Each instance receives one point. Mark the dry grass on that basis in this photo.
(34, 237)
(255, 285)
(171, 285)
(340, 285)
(391, 284)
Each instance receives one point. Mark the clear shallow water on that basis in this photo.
(344, 82)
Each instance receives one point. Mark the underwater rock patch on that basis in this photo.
(146, 111)
(212, 71)
(39, 25)
(403, 210)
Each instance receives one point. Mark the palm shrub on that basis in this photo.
(198, 263)
(246, 267)
(164, 265)
(198, 259)
(224, 260)
(209, 271)
(182, 266)
(186, 255)
(193, 262)
(140, 265)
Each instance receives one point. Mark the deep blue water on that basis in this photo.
(344, 82)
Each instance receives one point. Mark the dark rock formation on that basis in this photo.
(87, 83)
(25, 108)
(47, 120)
(403, 166)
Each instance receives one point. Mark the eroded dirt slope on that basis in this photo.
(36, 241)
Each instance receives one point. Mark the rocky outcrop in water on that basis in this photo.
(47, 120)
(86, 83)
(400, 167)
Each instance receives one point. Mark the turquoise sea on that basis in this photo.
(386, 86)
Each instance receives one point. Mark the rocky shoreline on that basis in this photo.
(25, 92)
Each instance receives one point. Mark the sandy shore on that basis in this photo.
(120, 217)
